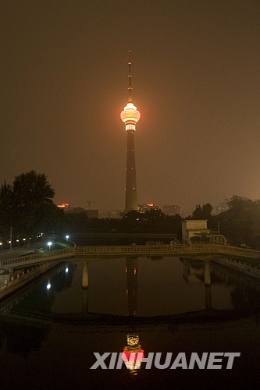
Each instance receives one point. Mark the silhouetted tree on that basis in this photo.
(203, 212)
(6, 209)
(27, 205)
(241, 222)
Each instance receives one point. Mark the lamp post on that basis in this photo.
(11, 237)
(49, 245)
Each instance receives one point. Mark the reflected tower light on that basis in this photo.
(133, 353)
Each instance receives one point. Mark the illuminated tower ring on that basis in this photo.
(130, 116)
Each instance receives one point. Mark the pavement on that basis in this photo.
(26, 249)
(20, 250)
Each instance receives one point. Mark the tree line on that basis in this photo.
(27, 209)
(240, 223)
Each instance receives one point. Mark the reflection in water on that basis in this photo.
(53, 350)
(208, 296)
(207, 282)
(85, 298)
(85, 284)
(42, 298)
(199, 271)
(131, 281)
(221, 289)
(152, 289)
(19, 327)
(244, 292)
(22, 338)
(156, 288)
(133, 352)
(85, 278)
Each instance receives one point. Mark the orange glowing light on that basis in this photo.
(63, 205)
(130, 114)
(133, 359)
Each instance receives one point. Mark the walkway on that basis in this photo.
(95, 252)
(178, 250)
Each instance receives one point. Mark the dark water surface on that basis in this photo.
(49, 333)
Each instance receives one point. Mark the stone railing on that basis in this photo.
(37, 258)
(164, 250)
(12, 283)
(131, 250)
(239, 265)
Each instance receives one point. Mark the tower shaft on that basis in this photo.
(130, 116)
(130, 189)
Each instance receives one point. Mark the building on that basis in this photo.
(115, 214)
(193, 227)
(221, 207)
(130, 116)
(171, 210)
(92, 213)
(77, 210)
(197, 229)
(142, 208)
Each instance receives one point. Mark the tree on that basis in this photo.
(203, 212)
(6, 209)
(31, 188)
(241, 222)
(27, 205)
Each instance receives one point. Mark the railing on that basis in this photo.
(132, 250)
(37, 258)
(163, 250)
(240, 266)
(14, 282)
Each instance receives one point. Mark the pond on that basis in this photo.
(50, 331)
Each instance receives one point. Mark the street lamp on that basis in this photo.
(1, 244)
(67, 237)
(11, 237)
(49, 245)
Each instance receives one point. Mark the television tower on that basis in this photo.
(130, 116)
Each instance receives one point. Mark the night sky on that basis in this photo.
(196, 82)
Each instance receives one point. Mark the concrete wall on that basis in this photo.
(191, 228)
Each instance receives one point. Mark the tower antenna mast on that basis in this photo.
(130, 89)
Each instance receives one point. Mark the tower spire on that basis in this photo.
(130, 89)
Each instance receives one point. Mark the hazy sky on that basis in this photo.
(196, 82)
